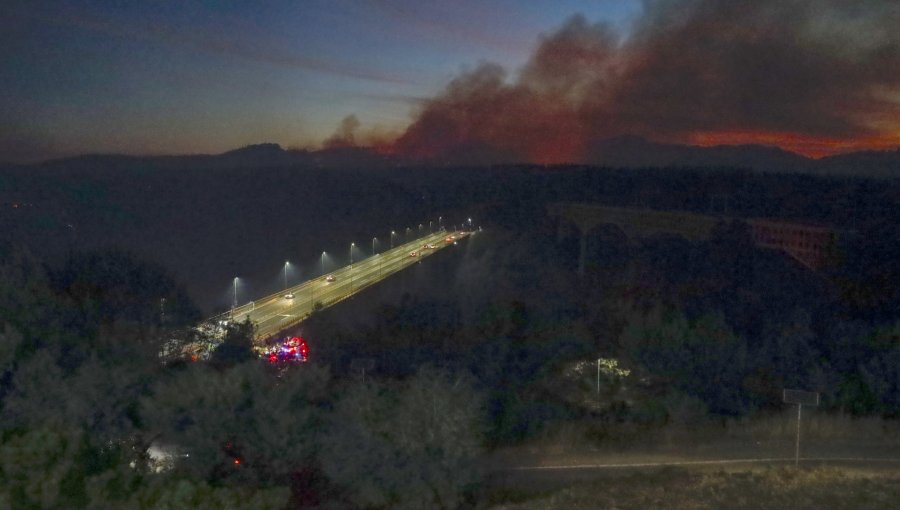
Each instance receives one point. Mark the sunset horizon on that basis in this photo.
(543, 90)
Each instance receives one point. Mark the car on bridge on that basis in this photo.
(289, 295)
(413, 254)
(330, 278)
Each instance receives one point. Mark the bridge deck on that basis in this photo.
(274, 313)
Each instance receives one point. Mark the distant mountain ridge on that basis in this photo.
(263, 155)
(623, 151)
(881, 164)
(634, 151)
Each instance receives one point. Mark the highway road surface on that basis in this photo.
(271, 314)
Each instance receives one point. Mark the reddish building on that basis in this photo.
(810, 244)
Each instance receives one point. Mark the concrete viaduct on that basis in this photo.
(811, 245)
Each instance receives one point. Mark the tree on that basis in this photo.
(65, 470)
(168, 492)
(62, 469)
(101, 394)
(409, 444)
(703, 357)
(241, 423)
(30, 306)
(868, 279)
(236, 346)
(114, 285)
(874, 387)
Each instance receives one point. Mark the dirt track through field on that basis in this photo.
(713, 462)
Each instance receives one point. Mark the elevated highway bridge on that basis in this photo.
(272, 314)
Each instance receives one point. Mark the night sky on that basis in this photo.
(535, 81)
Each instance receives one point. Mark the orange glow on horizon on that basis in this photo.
(384, 148)
(557, 151)
(807, 145)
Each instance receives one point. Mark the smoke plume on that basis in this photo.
(345, 134)
(813, 76)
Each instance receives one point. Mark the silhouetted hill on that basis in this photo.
(204, 217)
(634, 151)
(630, 151)
(348, 157)
(269, 154)
(244, 212)
(881, 164)
(622, 152)
(251, 156)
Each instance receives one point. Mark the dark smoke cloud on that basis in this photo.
(348, 135)
(345, 134)
(815, 76)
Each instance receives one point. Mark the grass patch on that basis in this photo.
(676, 489)
(763, 436)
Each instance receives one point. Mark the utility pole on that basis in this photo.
(800, 398)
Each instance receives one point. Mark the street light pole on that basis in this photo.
(351, 267)
(312, 305)
(373, 254)
(392, 239)
(440, 222)
(234, 299)
(430, 228)
(285, 274)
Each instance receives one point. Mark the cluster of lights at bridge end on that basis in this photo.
(291, 350)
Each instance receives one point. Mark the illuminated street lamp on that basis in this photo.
(392, 238)
(420, 229)
(286, 264)
(407, 233)
(440, 222)
(430, 230)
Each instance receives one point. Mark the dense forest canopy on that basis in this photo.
(473, 350)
